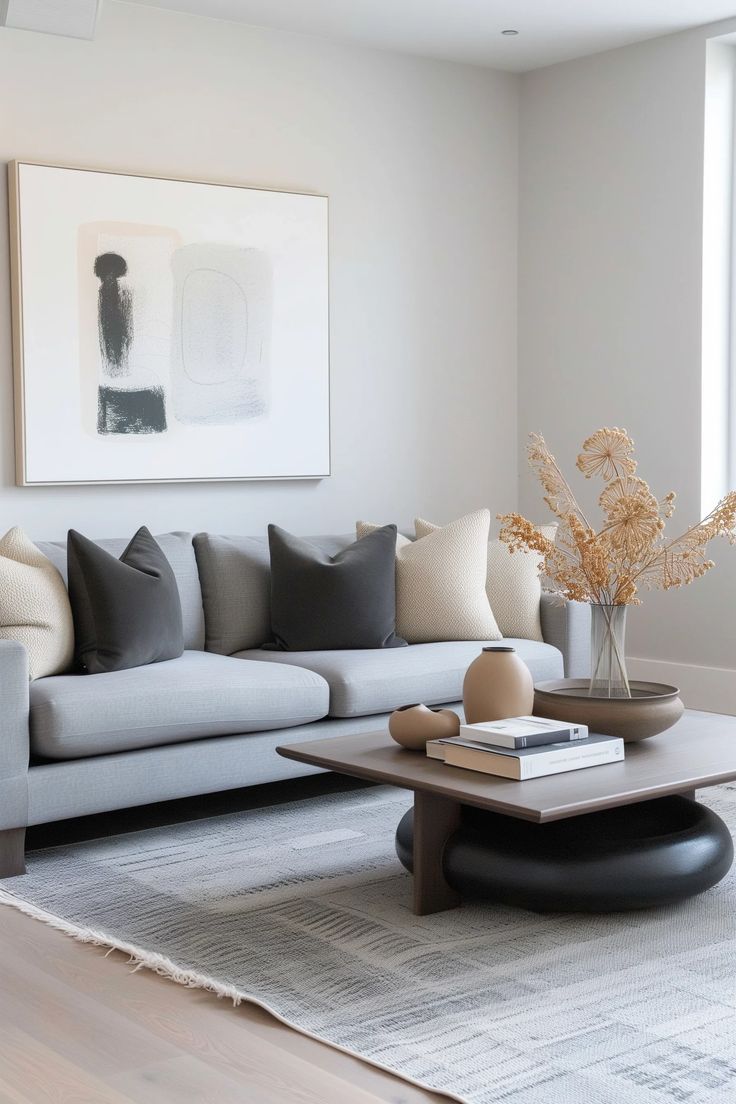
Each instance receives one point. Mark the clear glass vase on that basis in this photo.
(608, 676)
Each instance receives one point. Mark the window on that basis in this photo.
(718, 410)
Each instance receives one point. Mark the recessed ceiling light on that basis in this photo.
(509, 32)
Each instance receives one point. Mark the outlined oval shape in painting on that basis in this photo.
(214, 327)
(221, 333)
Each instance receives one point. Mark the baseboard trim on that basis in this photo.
(710, 688)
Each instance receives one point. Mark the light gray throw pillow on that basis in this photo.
(235, 575)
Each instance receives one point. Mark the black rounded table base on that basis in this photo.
(635, 856)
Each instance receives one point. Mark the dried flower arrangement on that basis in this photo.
(629, 552)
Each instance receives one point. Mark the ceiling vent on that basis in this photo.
(74, 18)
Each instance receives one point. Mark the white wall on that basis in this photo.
(419, 160)
(610, 251)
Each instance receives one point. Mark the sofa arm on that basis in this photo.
(567, 626)
(14, 735)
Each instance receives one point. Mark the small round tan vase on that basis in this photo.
(413, 725)
(497, 684)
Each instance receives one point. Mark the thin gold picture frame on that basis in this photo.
(16, 292)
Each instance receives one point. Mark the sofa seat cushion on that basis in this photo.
(377, 680)
(196, 695)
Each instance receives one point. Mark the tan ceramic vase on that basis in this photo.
(412, 725)
(497, 684)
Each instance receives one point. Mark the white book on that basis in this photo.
(520, 732)
(436, 749)
(536, 762)
(514, 732)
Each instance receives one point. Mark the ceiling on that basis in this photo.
(470, 30)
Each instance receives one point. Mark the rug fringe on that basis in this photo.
(138, 958)
(191, 979)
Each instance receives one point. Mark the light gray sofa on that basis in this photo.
(211, 720)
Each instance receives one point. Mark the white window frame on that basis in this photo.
(718, 405)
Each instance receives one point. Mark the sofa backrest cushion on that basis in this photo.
(235, 573)
(179, 551)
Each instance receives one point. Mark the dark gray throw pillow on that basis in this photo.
(321, 602)
(127, 612)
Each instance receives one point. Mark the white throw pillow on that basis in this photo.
(34, 605)
(441, 581)
(514, 588)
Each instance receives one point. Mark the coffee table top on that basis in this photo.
(699, 751)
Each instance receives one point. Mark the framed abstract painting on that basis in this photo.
(167, 330)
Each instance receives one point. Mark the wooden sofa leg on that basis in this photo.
(12, 852)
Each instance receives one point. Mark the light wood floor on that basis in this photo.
(79, 1026)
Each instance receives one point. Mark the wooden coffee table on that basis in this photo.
(687, 851)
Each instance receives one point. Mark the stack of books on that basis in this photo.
(526, 747)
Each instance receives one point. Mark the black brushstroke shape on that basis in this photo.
(114, 313)
(140, 411)
(120, 410)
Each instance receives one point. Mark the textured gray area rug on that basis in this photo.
(304, 909)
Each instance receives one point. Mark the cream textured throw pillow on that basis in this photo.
(514, 588)
(34, 606)
(513, 585)
(441, 581)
